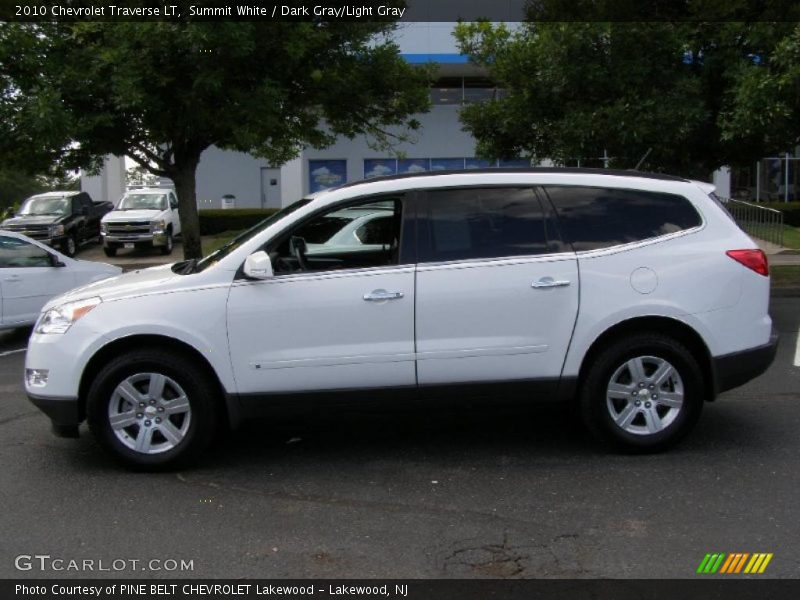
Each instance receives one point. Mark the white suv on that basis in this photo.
(635, 296)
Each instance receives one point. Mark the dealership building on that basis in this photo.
(441, 143)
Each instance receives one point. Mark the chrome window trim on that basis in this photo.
(616, 249)
(320, 275)
(501, 261)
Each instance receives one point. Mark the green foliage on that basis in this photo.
(577, 89)
(216, 220)
(162, 92)
(765, 101)
(16, 186)
(790, 210)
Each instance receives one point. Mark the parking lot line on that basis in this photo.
(797, 351)
(7, 352)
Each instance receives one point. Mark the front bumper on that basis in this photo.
(64, 413)
(115, 239)
(49, 241)
(737, 368)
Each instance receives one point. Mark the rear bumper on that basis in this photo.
(64, 413)
(737, 368)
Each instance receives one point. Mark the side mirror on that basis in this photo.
(55, 261)
(258, 266)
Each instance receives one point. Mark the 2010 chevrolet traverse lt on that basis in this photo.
(635, 296)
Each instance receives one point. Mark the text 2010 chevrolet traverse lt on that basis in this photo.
(634, 295)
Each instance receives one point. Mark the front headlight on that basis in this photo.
(103, 227)
(60, 318)
(158, 226)
(56, 230)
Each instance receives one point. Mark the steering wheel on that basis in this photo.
(297, 246)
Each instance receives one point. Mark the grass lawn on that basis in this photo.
(791, 237)
(212, 242)
(785, 276)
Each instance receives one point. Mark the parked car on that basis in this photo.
(634, 296)
(353, 229)
(31, 274)
(59, 219)
(143, 218)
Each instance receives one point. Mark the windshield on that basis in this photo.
(143, 202)
(45, 205)
(240, 239)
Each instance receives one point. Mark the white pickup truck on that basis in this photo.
(143, 218)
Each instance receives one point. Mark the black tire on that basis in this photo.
(110, 250)
(594, 401)
(199, 390)
(69, 247)
(167, 250)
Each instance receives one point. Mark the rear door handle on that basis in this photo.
(549, 282)
(12, 278)
(380, 295)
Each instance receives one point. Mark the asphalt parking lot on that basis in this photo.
(440, 493)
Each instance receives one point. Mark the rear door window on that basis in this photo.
(593, 217)
(474, 223)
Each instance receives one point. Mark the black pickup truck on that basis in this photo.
(60, 219)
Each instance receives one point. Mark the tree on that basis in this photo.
(140, 176)
(578, 90)
(764, 105)
(161, 93)
(16, 186)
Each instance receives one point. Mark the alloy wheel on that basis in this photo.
(149, 413)
(645, 395)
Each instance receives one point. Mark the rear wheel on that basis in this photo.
(152, 409)
(642, 393)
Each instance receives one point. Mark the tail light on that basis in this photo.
(752, 259)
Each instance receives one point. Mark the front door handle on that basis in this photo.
(549, 282)
(12, 278)
(380, 295)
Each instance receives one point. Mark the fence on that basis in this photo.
(759, 221)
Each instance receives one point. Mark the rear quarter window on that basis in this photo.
(591, 218)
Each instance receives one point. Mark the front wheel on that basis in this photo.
(70, 246)
(152, 409)
(642, 393)
(167, 248)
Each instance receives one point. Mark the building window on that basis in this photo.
(379, 167)
(479, 163)
(324, 174)
(464, 90)
(447, 164)
(413, 165)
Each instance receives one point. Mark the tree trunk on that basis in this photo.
(184, 179)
